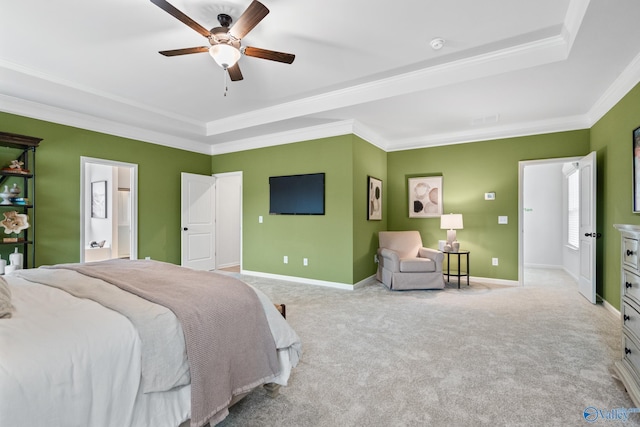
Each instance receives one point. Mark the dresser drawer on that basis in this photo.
(631, 285)
(631, 320)
(630, 252)
(631, 353)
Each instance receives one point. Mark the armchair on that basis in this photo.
(403, 263)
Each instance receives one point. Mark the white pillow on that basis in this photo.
(6, 309)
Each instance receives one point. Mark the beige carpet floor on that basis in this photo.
(484, 355)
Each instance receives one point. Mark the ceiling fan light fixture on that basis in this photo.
(225, 55)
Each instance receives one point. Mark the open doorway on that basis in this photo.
(543, 220)
(229, 221)
(108, 210)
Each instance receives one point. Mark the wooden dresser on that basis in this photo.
(628, 367)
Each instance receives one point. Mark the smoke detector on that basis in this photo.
(437, 43)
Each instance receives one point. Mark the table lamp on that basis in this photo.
(451, 223)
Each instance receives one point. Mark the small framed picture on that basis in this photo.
(425, 197)
(636, 170)
(374, 209)
(99, 199)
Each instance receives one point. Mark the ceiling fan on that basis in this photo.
(224, 40)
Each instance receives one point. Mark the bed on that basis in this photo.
(94, 345)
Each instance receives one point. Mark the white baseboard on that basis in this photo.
(366, 281)
(492, 281)
(610, 308)
(304, 280)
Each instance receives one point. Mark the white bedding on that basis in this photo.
(72, 362)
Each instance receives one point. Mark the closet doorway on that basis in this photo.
(108, 209)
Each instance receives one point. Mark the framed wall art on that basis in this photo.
(425, 197)
(99, 199)
(636, 170)
(374, 210)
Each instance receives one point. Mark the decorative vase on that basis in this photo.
(5, 196)
(15, 190)
(15, 259)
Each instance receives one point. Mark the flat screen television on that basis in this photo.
(296, 194)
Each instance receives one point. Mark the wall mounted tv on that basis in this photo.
(297, 194)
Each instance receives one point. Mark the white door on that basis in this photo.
(588, 233)
(198, 221)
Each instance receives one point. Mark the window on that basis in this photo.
(573, 209)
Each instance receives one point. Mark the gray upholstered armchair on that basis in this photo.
(403, 263)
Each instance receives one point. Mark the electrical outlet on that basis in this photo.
(305, 261)
(147, 257)
(286, 259)
(494, 261)
(260, 219)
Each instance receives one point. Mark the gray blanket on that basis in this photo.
(229, 345)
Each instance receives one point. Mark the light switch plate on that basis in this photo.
(503, 220)
(490, 196)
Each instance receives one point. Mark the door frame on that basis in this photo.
(84, 161)
(521, 165)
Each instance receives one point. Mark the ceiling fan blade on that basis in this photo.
(271, 55)
(249, 19)
(185, 51)
(171, 10)
(234, 73)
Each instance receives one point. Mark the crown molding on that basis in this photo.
(99, 96)
(627, 80)
(342, 127)
(561, 124)
(61, 116)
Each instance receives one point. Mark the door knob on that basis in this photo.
(185, 229)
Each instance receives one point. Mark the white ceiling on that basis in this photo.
(508, 68)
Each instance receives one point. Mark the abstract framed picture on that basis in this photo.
(374, 209)
(636, 170)
(425, 197)
(99, 199)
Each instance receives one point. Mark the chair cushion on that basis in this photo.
(417, 265)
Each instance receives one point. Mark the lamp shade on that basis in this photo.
(225, 55)
(451, 222)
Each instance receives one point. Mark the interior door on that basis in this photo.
(588, 233)
(198, 221)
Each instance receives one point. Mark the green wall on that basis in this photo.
(58, 187)
(611, 139)
(326, 240)
(340, 244)
(367, 161)
(469, 171)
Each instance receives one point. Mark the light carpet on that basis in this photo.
(484, 355)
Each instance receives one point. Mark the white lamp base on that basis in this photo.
(451, 236)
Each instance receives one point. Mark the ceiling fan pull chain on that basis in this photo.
(226, 87)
